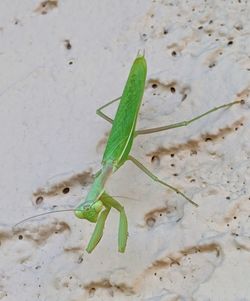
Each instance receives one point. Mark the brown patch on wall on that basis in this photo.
(101, 144)
(244, 94)
(169, 260)
(238, 210)
(170, 87)
(207, 248)
(193, 145)
(105, 284)
(183, 43)
(73, 249)
(232, 213)
(156, 83)
(162, 264)
(174, 259)
(85, 178)
(45, 6)
(211, 59)
(156, 212)
(5, 235)
(40, 234)
(166, 262)
(151, 217)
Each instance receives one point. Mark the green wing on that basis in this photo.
(122, 133)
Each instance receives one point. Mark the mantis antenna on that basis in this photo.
(42, 214)
(61, 210)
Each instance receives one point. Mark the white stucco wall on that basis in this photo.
(51, 139)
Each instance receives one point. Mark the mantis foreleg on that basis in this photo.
(107, 200)
(98, 232)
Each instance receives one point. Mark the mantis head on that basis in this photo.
(89, 212)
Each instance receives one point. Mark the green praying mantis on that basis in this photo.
(98, 203)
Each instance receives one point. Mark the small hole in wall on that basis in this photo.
(39, 200)
(67, 44)
(80, 259)
(155, 159)
(70, 63)
(144, 37)
(211, 65)
(20, 237)
(238, 27)
(173, 53)
(150, 222)
(154, 86)
(66, 190)
(230, 43)
(171, 155)
(172, 89)
(184, 97)
(92, 291)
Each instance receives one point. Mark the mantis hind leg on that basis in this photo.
(103, 115)
(98, 232)
(123, 223)
(156, 179)
(186, 122)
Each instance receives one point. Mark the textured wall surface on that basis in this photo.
(60, 61)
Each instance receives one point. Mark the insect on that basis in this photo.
(98, 203)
